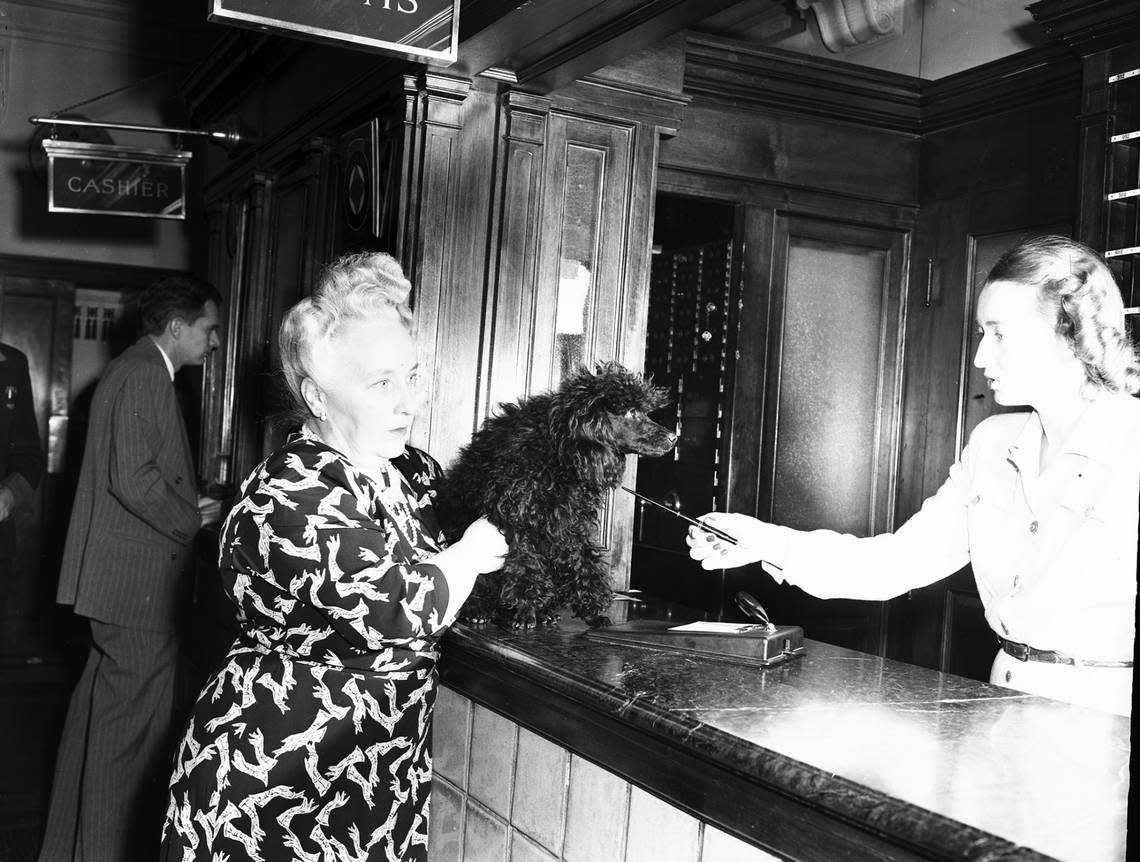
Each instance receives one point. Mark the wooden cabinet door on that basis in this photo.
(819, 412)
(943, 625)
(580, 282)
(575, 306)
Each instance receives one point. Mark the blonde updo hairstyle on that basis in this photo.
(355, 287)
(1077, 291)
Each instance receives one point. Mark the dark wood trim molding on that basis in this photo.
(614, 40)
(743, 74)
(1087, 26)
(1026, 78)
(720, 69)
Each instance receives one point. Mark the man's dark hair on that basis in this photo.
(181, 296)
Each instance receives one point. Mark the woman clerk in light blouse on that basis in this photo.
(1043, 504)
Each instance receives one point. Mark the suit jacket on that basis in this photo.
(135, 512)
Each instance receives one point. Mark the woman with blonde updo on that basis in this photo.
(1043, 505)
(312, 741)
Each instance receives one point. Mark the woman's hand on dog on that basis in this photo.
(756, 541)
(485, 546)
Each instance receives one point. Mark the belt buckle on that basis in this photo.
(1018, 651)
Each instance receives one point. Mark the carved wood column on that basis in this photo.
(449, 176)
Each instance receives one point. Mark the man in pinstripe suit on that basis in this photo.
(135, 515)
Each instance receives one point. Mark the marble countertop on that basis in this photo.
(935, 760)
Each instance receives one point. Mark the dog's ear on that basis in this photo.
(653, 397)
(579, 412)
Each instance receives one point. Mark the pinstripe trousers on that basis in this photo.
(113, 765)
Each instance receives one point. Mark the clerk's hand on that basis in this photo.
(756, 541)
(484, 545)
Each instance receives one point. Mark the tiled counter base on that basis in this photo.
(502, 792)
(547, 746)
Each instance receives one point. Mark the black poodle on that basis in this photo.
(539, 471)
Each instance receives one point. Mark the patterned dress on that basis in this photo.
(312, 742)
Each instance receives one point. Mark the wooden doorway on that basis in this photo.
(689, 350)
(36, 318)
(780, 335)
(40, 315)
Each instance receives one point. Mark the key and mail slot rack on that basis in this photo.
(1123, 169)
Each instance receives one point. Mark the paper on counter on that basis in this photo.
(716, 628)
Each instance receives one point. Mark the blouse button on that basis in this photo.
(1033, 526)
(1008, 675)
(975, 499)
(1016, 581)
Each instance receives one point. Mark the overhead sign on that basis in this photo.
(113, 180)
(423, 29)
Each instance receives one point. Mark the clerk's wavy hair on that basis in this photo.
(1077, 291)
(354, 287)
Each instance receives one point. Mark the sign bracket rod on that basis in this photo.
(226, 137)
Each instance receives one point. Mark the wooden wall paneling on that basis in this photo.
(999, 159)
(366, 184)
(779, 148)
(633, 304)
(411, 161)
(228, 227)
(767, 116)
(608, 148)
(860, 625)
(609, 135)
(749, 397)
(760, 79)
(429, 236)
(891, 319)
(601, 236)
(450, 171)
(512, 295)
(251, 287)
(968, 643)
(301, 227)
(930, 399)
(1028, 152)
(211, 467)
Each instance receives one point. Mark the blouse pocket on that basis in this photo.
(1091, 496)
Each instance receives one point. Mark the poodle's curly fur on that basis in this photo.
(539, 471)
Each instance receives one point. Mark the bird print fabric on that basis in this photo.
(312, 741)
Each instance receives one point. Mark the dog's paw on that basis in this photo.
(523, 618)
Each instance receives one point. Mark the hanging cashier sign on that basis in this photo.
(114, 180)
(422, 29)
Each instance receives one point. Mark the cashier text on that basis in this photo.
(124, 188)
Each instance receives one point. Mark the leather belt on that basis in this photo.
(1024, 652)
